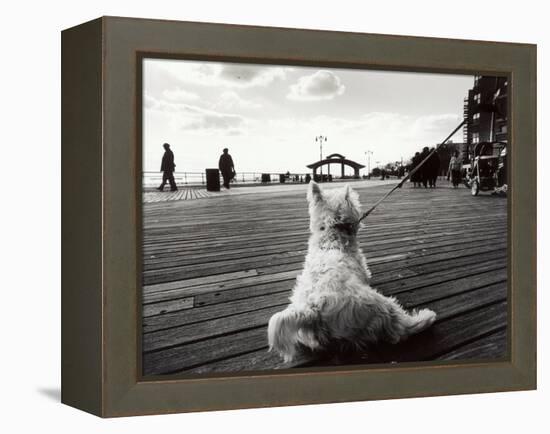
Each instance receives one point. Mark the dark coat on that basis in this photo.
(424, 171)
(226, 164)
(168, 164)
(433, 165)
(416, 175)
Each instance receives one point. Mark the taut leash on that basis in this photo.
(405, 179)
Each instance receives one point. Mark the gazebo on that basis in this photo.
(337, 159)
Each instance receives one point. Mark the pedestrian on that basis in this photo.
(227, 168)
(434, 164)
(424, 169)
(167, 168)
(455, 169)
(415, 177)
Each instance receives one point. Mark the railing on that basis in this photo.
(197, 179)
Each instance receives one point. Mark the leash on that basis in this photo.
(406, 178)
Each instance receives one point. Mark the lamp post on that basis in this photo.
(368, 154)
(321, 139)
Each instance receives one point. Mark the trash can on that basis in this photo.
(212, 180)
(266, 177)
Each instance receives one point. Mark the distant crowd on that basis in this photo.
(429, 168)
(427, 173)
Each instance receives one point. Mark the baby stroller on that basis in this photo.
(483, 172)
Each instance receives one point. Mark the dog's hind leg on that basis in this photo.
(289, 328)
(401, 324)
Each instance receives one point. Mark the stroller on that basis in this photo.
(487, 168)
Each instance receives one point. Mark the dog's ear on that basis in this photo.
(347, 192)
(350, 194)
(314, 193)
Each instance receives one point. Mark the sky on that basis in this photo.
(269, 116)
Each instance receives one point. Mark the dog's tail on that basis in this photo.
(289, 328)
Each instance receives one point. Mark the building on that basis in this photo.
(486, 112)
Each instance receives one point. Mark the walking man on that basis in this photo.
(416, 177)
(434, 164)
(226, 167)
(455, 169)
(424, 169)
(167, 168)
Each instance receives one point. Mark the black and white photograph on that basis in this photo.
(305, 216)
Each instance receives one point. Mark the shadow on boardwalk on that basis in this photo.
(212, 281)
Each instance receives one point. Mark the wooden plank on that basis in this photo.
(428, 294)
(208, 329)
(485, 348)
(253, 361)
(184, 357)
(397, 286)
(168, 306)
(458, 304)
(213, 311)
(188, 283)
(220, 286)
(244, 292)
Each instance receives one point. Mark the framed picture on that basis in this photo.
(259, 216)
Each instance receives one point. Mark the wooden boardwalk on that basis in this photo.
(215, 271)
(183, 193)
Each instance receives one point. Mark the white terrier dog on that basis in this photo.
(332, 303)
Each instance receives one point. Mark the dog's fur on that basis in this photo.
(332, 303)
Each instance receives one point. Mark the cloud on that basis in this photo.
(250, 75)
(437, 124)
(149, 103)
(177, 72)
(190, 117)
(230, 100)
(179, 95)
(322, 85)
(200, 119)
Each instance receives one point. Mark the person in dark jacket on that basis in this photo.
(227, 168)
(416, 178)
(167, 168)
(434, 165)
(424, 170)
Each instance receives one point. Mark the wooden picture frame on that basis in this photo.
(101, 220)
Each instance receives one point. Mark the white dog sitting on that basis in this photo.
(332, 303)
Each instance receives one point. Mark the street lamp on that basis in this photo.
(368, 154)
(321, 139)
